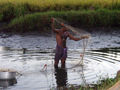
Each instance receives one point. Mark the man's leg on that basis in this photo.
(56, 63)
(57, 58)
(63, 62)
(58, 54)
(63, 59)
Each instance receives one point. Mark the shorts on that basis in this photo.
(60, 53)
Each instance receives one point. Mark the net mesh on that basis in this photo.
(77, 33)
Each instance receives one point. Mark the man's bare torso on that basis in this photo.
(61, 38)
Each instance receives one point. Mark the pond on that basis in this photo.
(35, 62)
(98, 64)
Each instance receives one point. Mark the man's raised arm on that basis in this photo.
(52, 25)
(77, 39)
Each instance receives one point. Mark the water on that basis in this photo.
(98, 64)
(36, 65)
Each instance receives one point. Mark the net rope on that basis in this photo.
(78, 33)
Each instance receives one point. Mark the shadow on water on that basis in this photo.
(98, 64)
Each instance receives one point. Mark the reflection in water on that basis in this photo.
(61, 77)
(6, 83)
(108, 50)
(98, 64)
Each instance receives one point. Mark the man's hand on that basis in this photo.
(85, 37)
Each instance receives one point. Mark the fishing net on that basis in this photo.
(76, 32)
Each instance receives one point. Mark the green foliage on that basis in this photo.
(31, 15)
(7, 11)
(60, 5)
(20, 10)
(104, 85)
(85, 18)
(10, 11)
(30, 22)
(1, 17)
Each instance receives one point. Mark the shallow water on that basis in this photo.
(36, 65)
(98, 64)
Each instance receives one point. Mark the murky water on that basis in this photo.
(38, 72)
(36, 65)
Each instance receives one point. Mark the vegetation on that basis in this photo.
(29, 14)
(76, 18)
(61, 5)
(104, 85)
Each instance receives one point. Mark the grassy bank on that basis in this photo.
(36, 21)
(14, 8)
(29, 14)
(47, 5)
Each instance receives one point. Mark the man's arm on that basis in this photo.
(52, 25)
(77, 39)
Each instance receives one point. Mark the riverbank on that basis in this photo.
(41, 21)
(24, 16)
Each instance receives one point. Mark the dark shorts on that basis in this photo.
(61, 53)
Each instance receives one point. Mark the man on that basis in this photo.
(61, 37)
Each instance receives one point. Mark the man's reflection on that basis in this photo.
(61, 77)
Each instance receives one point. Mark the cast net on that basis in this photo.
(76, 32)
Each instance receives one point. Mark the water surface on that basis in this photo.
(98, 64)
(33, 56)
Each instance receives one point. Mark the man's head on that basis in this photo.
(64, 27)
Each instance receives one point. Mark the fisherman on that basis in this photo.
(61, 37)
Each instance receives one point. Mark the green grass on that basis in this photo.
(104, 85)
(47, 5)
(41, 20)
(29, 14)
(15, 8)
(1, 17)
